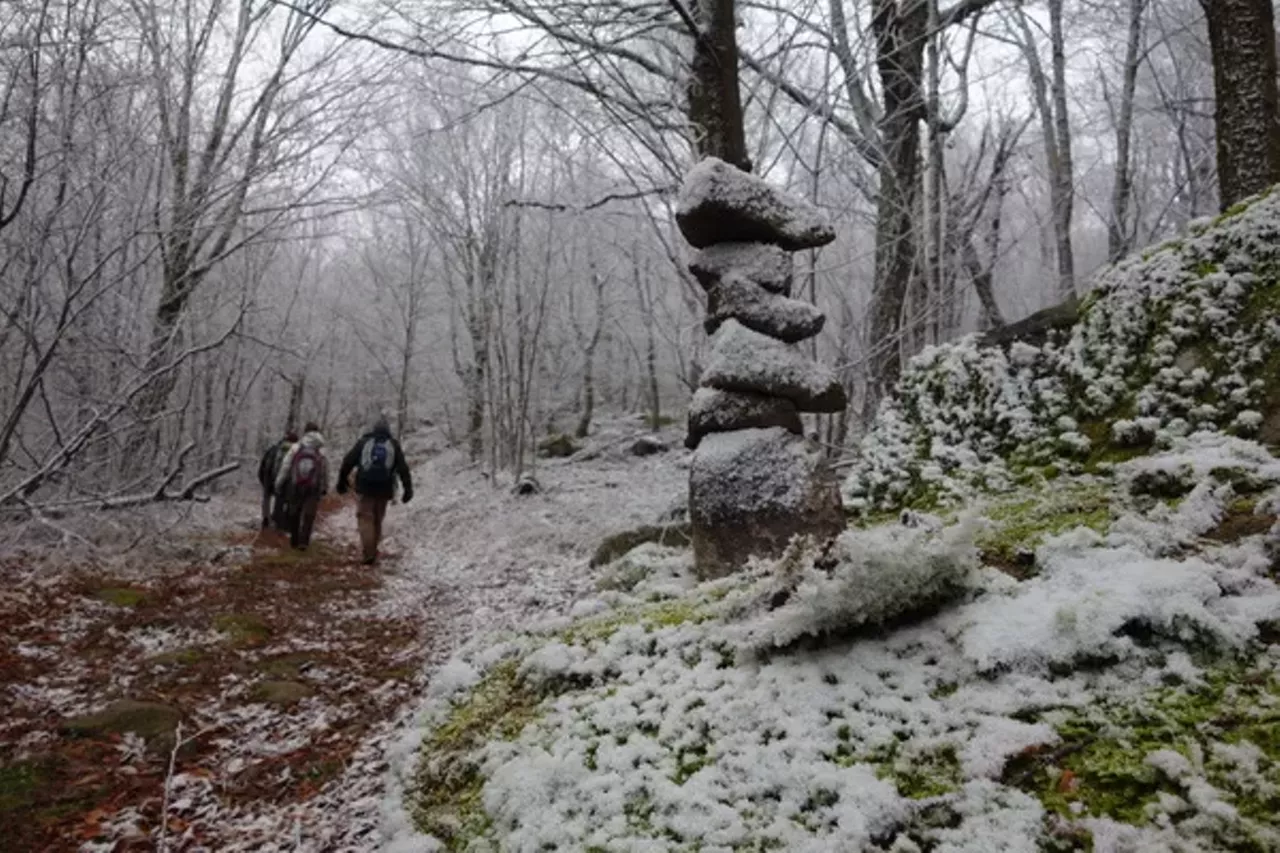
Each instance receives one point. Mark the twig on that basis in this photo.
(600, 202)
(162, 843)
(173, 472)
(188, 491)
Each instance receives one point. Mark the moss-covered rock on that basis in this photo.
(557, 446)
(618, 544)
(280, 692)
(20, 785)
(1185, 338)
(122, 596)
(151, 721)
(243, 629)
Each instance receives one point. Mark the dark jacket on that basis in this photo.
(364, 486)
(270, 464)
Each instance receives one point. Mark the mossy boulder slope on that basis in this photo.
(1185, 337)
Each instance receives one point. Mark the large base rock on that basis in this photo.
(788, 320)
(743, 360)
(720, 203)
(762, 264)
(751, 492)
(713, 410)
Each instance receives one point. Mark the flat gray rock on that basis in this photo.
(743, 360)
(720, 203)
(751, 491)
(762, 264)
(789, 320)
(713, 410)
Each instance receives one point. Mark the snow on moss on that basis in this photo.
(697, 722)
(1186, 338)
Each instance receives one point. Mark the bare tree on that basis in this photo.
(1050, 94)
(1119, 231)
(217, 147)
(1242, 35)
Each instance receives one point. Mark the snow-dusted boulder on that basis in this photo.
(713, 410)
(720, 203)
(762, 264)
(751, 491)
(789, 320)
(743, 360)
(648, 445)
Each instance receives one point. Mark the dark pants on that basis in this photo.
(275, 509)
(369, 514)
(302, 517)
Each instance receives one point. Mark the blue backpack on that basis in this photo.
(377, 461)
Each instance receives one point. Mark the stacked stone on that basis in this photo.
(755, 481)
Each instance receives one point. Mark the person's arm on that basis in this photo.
(351, 460)
(324, 473)
(402, 471)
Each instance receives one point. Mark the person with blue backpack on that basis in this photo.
(303, 480)
(378, 462)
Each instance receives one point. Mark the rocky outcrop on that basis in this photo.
(755, 481)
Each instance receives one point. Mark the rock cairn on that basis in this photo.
(755, 481)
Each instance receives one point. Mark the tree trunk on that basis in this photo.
(1242, 37)
(1119, 235)
(1064, 174)
(900, 38)
(715, 104)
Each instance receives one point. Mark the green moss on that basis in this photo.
(1023, 523)
(286, 666)
(21, 784)
(929, 775)
(1100, 769)
(282, 693)
(875, 518)
(446, 798)
(292, 558)
(619, 544)
(122, 596)
(243, 629)
(151, 721)
(189, 656)
(662, 614)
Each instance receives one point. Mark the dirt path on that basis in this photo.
(273, 666)
(293, 676)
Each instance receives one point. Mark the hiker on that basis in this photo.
(378, 461)
(268, 468)
(304, 479)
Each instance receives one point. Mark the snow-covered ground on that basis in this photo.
(472, 558)
(674, 716)
(498, 559)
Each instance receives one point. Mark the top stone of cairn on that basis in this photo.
(720, 203)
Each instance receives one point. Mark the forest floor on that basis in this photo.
(233, 694)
